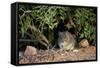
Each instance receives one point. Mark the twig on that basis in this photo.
(22, 16)
(42, 39)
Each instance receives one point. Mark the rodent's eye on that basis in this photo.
(61, 46)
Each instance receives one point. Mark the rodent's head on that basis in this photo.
(63, 34)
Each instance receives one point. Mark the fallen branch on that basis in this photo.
(41, 38)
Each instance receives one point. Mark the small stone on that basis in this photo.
(30, 51)
(75, 50)
(62, 54)
(84, 43)
(24, 61)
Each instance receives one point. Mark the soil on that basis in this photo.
(58, 55)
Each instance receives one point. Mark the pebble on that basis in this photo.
(30, 51)
(84, 43)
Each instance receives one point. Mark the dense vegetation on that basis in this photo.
(39, 23)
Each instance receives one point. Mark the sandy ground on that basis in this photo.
(57, 55)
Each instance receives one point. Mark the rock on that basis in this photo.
(84, 43)
(30, 51)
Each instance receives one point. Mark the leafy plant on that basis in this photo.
(86, 18)
(45, 20)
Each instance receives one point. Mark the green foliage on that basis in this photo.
(86, 23)
(44, 18)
